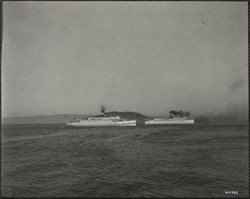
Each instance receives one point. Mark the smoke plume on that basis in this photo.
(103, 108)
(180, 114)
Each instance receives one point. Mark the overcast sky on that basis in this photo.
(150, 57)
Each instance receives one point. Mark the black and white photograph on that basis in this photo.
(129, 99)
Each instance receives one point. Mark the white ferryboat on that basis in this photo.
(169, 121)
(101, 120)
(174, 118)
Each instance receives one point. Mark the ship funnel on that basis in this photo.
(103, 109)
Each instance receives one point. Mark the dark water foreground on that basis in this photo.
(165, 161)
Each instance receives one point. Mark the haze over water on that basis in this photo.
(149, 57)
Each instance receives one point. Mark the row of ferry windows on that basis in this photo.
(94, 123)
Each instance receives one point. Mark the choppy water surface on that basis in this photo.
(165, 161)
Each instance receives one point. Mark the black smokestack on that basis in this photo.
(103, 109)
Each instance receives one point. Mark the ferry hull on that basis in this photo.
(101, 124)
(158, 122)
